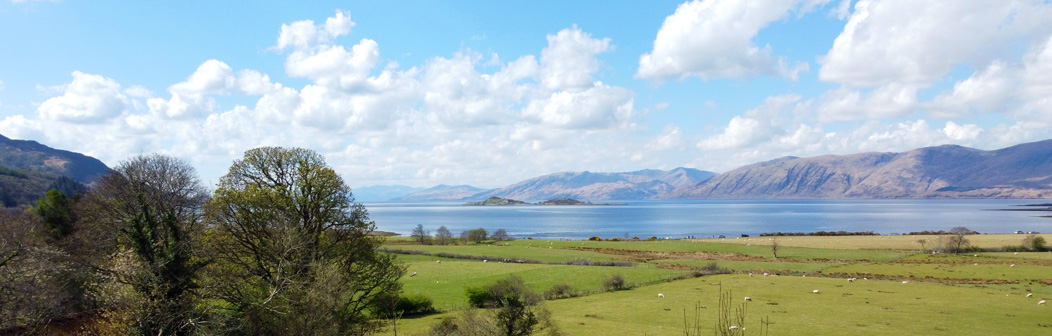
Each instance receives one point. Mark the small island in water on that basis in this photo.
(558, 201)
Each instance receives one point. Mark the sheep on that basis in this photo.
(764, 274)
(748, 298)
(733, 328)
(815, 291)
(750, 273)
(483, 260)
(1030, 295)
(661, 295)
(1041, 303)
(412, 275)
(1012, 265)
(905, 282)
(850, 279)
(438, 261)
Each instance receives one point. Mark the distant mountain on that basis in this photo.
(381, 193)
(29, 169)
(37, 157)
(643, 184)
(1022, 171)
(441, 193)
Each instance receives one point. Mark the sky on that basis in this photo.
(489, 93)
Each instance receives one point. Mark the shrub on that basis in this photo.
(595, 239)
(652, 238)
(395, 305)
(560, 291)
(615, 283)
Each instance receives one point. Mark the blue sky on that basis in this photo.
(489, 93)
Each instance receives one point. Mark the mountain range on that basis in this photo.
(28, 169)
(949, 171)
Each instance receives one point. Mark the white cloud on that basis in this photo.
(87, 99)
(191, 98)
(305, 34)
(918, 42)
(755, 126)
(712, 39)
(569, 61)
(845, 104)
(961, 132)
(601, 106)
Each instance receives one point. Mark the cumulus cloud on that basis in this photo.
(712, 39)
(305, 34)
(880, 44)
(87, 99)
(755, 126)
(569, 61)
(845, 104)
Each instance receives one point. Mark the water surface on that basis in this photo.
(709, 218)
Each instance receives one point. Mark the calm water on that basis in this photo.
(708, 218)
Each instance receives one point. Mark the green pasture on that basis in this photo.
(759, 266)
(699, 245)
(547, 254)
(864, 307)
(446, 282)
(947, 295)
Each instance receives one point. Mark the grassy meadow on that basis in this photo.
(900, 290)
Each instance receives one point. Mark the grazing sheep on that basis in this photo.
(733, 328)
(412, 275)
(765, 274)
(750, 274)
(850, 279)
(748, 298)
(1041, 303)
(1030, 295)
(438, 261)
(815, 291)
(1012, 265)
(661, 295)
(905, 282)
(483, 260)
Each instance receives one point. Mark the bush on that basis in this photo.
(560, 291)
(652, 238)
(615, 283)
(595, 239)
(392, 306)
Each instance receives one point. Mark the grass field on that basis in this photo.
(970, 294)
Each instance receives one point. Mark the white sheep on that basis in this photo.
(750, 273)
(748, 298)
(1030, 295)
(412, 275)
(483, 260)
(765, 274)
(905, 282)
(1041, 303)
(733, 328)
(438, 261)
(1012, 265)
(850, 279)
(815, 291)
(661, 295)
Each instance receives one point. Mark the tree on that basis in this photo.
(56, 211)
(499, 235)
(1034, 242)
(150, 205)
(957, 241)
(477, 235)
(421, 236)
(443, 235)
(922, 242)
(465, 237)
(294, 252)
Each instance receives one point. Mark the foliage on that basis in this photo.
(517, 312)
(1033, 242)
(957, 242)
(420, 235)
(615, 283)
(443, 235)
(294, 254)
(393, 306)
(151, 203)
(560, 291)
(477, 235)
(56, 212)
(500, 235)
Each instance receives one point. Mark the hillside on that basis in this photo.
(381, 193)
(34, 156)
(440, 193)
(29, 169)
(642, 184)
(1022, 171)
